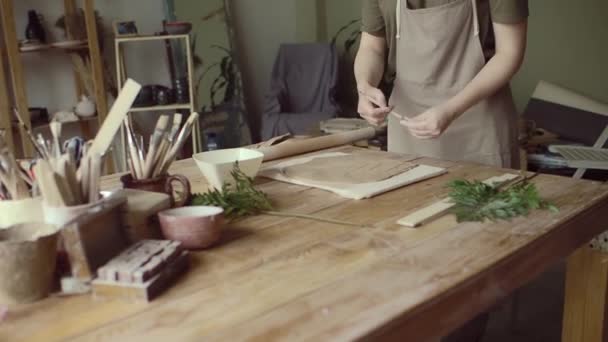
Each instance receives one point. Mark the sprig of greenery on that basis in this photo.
(476, 201)
(240, 200)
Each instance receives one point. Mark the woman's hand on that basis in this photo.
(372, 106)
(430, 124)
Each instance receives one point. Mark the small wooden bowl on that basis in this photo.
(196, 227)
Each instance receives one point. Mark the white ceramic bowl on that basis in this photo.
(217, 165)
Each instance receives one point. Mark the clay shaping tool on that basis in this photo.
(372, 100)
(115, 117)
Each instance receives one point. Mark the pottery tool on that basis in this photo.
(29, 134)
(47, 180)
(115, 117)
(300, 146)
(94, 175)
(55, 127)
(136, 158)
(179, 142)
(142, 271)
(438, 209)
(14, 180)
(155, 141)
(372, 100)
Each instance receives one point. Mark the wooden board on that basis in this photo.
(285, 279)
(322, 175)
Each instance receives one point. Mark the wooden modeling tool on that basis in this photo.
(373, 100)
(115, 117)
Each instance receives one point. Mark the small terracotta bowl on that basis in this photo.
(196, 227)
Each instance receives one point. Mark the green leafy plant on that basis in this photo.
(239, 199)
(476, 201)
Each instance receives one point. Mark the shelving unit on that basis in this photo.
(16, 74)
(121, 77)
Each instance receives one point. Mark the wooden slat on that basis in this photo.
(585, 315)
(17, 78)
(97, 69)
(6, 114)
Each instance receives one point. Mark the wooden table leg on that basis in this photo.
(585, 314)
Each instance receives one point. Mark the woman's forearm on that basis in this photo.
(498, 72)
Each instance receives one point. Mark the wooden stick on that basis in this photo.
(433, 211)
(155, 140)
(47, 181)
(29, 134)
(115, 117)
(94, 175)
(136, 162)
(158, 163)
(55, 127)
(179, 143)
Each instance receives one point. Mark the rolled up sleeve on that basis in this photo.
(509, 11)
(372, 20)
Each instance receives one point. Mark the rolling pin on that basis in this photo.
(295, 147)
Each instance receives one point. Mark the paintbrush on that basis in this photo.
(179, 142)
(177, 122)
(155, 141)
(29, 134)
(135, 160)
(55, 127)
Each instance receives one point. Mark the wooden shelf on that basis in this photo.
(148, 38)
(161, 108)
(54, 48)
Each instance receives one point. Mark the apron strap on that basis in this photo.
(398, 19)
(475, 18)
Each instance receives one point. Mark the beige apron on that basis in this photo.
(438, 54)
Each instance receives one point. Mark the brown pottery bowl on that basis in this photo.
(196, 227)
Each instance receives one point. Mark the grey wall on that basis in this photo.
(568, 46)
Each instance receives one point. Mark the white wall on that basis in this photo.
(48, 75)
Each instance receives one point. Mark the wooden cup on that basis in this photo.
(162, 184)
(28, 254)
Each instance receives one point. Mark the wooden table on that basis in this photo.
(277, 278)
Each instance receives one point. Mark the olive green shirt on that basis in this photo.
(379, 18)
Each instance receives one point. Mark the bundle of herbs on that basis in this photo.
(239, 199)
(476, 201)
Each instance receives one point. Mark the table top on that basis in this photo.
(280, 278)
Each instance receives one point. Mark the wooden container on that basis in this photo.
(20, 211)
(27, 262)
(138, 215)
(96, 238)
